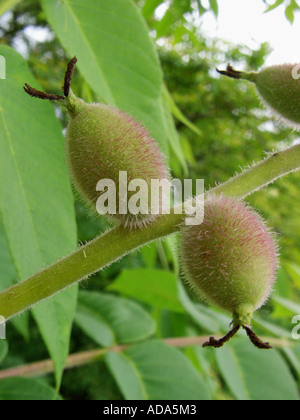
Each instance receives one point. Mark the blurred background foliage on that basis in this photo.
(222, 128)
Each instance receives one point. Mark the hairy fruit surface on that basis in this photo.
(281, 91)
(231, 259)
(101, 142)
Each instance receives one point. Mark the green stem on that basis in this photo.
(119, 241)
(235, 74)
(262, 174)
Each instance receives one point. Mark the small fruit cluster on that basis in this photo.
(231, 258)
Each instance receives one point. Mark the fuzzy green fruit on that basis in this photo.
(281, 91)
(230, 260)
(101, 143)
(278, 87)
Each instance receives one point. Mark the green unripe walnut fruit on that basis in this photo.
(230, 260)
(279, 88)
(101, 142)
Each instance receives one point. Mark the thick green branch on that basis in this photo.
(119, 241)
(260, 175)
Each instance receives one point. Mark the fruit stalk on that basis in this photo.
(235, 74)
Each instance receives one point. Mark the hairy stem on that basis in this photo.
(256, 177)
(119, 241)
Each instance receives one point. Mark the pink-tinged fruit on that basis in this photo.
(101, 142)
(231, 259)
